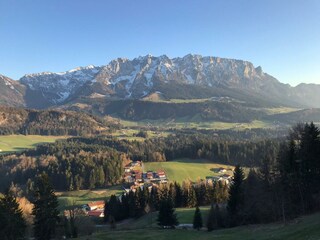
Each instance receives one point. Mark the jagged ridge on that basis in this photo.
(135, 79)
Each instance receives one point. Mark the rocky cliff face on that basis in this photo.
(58, 87)
(135, 79)
(138, 77)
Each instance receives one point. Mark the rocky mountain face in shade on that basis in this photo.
(11, 92)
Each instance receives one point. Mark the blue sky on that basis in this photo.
(56, 35)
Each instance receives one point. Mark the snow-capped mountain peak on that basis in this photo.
(140, 76)
(59, 86)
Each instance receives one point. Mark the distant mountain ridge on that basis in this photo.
(192, 76)
(11, 92)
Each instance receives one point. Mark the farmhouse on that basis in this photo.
(161, 174)
(98, 205)
(212, 179)
(96, 213)
(222, 170)
(224, 178)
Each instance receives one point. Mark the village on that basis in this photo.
(134, 177)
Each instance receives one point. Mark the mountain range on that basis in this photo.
(189, 77)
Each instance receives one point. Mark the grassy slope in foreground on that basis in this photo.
(307, 227)
(13, 143)
(183, 169)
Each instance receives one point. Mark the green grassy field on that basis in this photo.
(199, 124)
(305, 228)
(271, 111)
(195, 100)
(184, 169)
(185, 216)
(78, 198)
(128, 134)
(13, 143)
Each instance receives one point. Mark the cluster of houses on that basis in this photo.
(136, 177)
(134, 174)
(224, 177)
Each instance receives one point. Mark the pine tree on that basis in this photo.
(167, 216)
(100, 177)
(92, 179)
(12, 223)
(132, 204)
(192, 198)
(197, 219)
(172, 193)
(45, 209)
(112, 208)
(219, 217)
(201, 194)
(154, 198)
(178, 198)
(139, 202)
(211, 219)
(236, 196)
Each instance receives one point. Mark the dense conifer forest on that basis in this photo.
(90, 162)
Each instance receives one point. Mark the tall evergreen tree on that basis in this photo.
(12, 223)
(45, 208)
(197, 219)
(236, 196)
(192, 197)
(211, 223)
(154, 199)
(220, 221)
(112, 209)
(132, 204)
(167, 216)
(178, 196)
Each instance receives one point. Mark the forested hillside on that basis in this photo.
(49, 122)
(207, 110)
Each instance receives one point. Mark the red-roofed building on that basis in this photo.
(149, 175)
(96, 205)
(96, 213)
(162, 174)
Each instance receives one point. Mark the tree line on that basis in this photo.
(281, 189)
(246, 153)
(144, 200)
(46, 215)
(71, 166)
